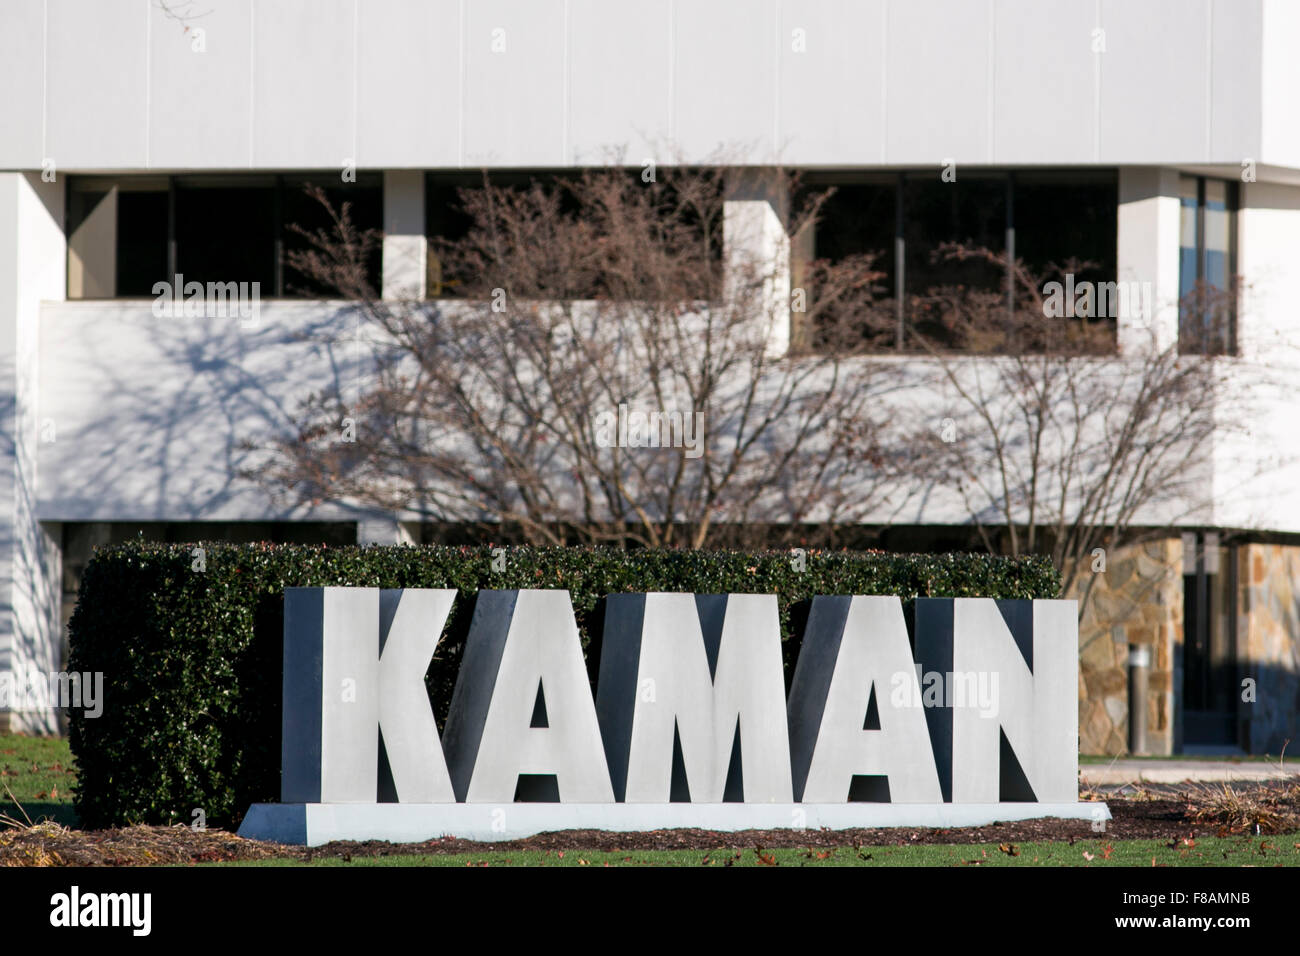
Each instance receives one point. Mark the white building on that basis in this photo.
(142, 138)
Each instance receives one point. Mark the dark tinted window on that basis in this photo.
(858, 218)
(226, 234)
(447, 221)
(365, 200)
(1057, 216)
(141, 241)
(1064, 216)
(972, 210)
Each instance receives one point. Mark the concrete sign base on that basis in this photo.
(314, 824)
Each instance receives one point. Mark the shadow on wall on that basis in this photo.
(150, 412)
(30, 643)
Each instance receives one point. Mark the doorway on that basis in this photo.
(1208, 682)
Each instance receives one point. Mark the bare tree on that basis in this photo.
(605, 371)
(1062, 442)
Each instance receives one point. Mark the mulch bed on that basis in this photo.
(1157, 813)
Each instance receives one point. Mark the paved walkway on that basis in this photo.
(1134, 770)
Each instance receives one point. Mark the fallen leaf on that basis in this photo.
(1089, 856)
(1110, 848)
(1009, 849)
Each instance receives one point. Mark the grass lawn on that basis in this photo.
(39, 773)
(1207, 851)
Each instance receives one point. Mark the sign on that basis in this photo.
(969, 718)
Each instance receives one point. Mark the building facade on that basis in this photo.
(1158, 139)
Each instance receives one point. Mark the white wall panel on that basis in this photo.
(1280, 69)
(22, 74)
(1154, 80)
(515, 103)
(724, 82)
(405, 83)
(1236, 108)
(832, 102)
(97, 77)
(939, 82)
(304, 94)
(1044, 82)
(199, 101)
(409, 83)
(620, 84)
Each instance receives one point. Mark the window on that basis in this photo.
(299, 208)
(1207, 266)
(444, 218)
(226, 230)
(126, 234)
(1055, 221)
(652, 212)
(1068, 216)
(973, 210)
(117, 236)
(141, 238)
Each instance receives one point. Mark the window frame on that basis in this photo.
(279, 182)
(1228, 342)
(821, 179)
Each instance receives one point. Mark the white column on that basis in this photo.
(1268, 259)
(1257, 468)
(382, 529)
(33, 263)
(405, 247)
(757, 250)
(1148, 253)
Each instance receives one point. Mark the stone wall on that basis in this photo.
(1138, 599)
(1268, 645)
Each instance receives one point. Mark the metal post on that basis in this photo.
(1139, 662)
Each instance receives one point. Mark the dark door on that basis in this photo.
(1209, 672)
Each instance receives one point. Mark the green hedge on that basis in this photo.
(191, 658)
